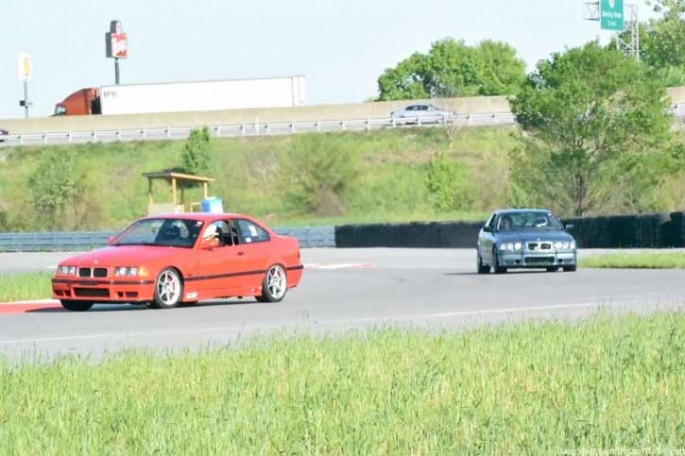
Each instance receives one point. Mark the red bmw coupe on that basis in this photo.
(167, 260)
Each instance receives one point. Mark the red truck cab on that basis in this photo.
(80, 103)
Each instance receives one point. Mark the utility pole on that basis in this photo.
(632, 47)
(24, 76)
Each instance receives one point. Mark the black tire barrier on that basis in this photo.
(618, 231)
(415, 234)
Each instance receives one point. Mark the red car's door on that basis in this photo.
(222, 264)
(255, 247)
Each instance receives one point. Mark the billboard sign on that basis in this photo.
(24, 66)
(116, 41)
(611, 15)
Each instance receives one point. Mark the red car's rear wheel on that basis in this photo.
(274, 285)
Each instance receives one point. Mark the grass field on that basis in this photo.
(642, 260)
(610, 382)
(23, 286)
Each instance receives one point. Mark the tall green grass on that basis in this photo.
(642, 260)
(24, 286)
(605, 383)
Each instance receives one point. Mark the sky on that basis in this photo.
(341, 46)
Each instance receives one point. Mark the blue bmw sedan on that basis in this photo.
(525, 239)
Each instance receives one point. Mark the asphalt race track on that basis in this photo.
(342, 289)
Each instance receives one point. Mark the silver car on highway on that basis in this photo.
(422, 113)
(525, 238)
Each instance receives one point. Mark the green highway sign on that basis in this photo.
(611, 15)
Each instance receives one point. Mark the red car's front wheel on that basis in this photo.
(168, 289)
(76, 306)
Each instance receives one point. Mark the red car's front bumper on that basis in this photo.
(102, 290)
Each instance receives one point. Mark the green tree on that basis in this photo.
(406, 80)
(446, 183)
(451, 69)
(318, 172)
(197, 152)
(597, 132)
(54, 186)
(662, 41)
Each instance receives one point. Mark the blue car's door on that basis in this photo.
(486, 239)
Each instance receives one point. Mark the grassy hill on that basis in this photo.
(250, 178)
(259, 176)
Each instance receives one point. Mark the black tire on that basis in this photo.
(168, 289)
(480, 267)
(498, 269)
(570, 268)
(552, 269)
(274, 284)
(76, 306)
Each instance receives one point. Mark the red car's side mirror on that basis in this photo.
(111, 239)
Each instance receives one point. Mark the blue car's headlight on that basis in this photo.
(565, 245)
(510, 246)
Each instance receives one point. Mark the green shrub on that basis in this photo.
(197, 153)
(447, 184)
(54, 186)
(318, 172)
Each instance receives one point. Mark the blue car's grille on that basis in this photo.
(534, 246)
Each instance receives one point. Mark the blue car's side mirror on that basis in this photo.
(569, 226)
(487, 229)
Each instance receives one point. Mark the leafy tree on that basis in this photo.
(446, 183)
(54, 186)
(319, 172)
(662, 41)
(451, 69)
(597, 132)
(406, 80)
(196, 156)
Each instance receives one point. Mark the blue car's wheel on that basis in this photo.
(480, 267)
(498, 269)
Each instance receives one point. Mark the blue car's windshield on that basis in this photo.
(161, 232)
(533, 220)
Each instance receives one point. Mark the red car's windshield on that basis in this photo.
(161, 232)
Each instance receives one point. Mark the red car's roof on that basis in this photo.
(204, 216)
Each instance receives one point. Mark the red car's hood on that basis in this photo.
(125, 255)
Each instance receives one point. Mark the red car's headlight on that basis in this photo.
(67, 270)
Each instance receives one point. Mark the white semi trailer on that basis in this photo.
(279, 92)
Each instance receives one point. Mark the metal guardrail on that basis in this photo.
(255, 129)
(320, 236)
(273, 128)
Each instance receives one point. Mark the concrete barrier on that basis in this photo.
(471, 105)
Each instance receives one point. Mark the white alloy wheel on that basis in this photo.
(168, 289)
(275, 284)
